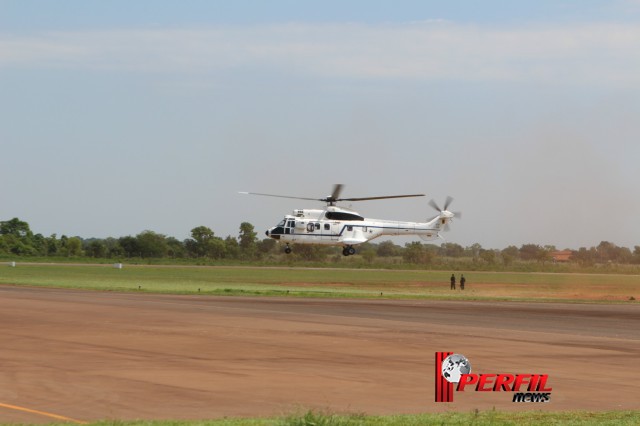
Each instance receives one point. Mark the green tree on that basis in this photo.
(584, 256)
(266, 246)
(152, 244)
(451, 250)
(624, 255)
(509, 254)
(368, 254)
(114, 249)
(52, 245)
(473, 251)
(16, 246)
(609, 252)
(15, 227)
(529, 251)
(18, 238)
(247, 240)
(202, 234)
(231, 248)
(74, 247)
(217, 249)
(129, 246)
(204, 243)
(388, 249)
(197, 246)
(416, 252)
(4, 247)
(489, 256)
(39, 244)
(175, 247)
(96, 249)
(544, 255)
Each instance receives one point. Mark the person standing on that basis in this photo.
(462, 281)
(453, 282)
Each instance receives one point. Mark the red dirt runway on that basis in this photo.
(91, 355)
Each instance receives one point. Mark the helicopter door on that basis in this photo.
(335, 231)
(289, 227)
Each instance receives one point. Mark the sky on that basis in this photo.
(123, 116)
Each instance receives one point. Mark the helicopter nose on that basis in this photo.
(266, 232)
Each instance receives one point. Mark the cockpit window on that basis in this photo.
(281, 222)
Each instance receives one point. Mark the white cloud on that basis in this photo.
(582, 54)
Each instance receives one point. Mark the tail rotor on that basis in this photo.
(444, 214)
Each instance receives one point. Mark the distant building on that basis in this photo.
(561, 256)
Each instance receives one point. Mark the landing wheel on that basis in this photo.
(348, 251)
(287, 249)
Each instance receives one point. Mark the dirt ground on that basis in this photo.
(91, 355)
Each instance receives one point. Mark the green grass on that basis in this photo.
(479, 418)
(324, 282)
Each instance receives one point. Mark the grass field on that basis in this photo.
(329, 282)
(478, 418)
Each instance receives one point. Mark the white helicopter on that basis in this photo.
(339, 226)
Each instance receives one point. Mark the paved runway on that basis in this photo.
(99, 355)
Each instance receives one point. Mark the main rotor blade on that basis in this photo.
(337, 189)
(281, 196)
(380, 198)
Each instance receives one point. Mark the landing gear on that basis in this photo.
(348, 251)
(287, 249)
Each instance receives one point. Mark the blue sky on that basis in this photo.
(28, 15)
(125, 116)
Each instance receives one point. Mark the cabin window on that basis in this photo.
(327, 227)
(342, 216)
(317, 226)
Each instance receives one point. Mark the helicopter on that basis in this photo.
(340, 226)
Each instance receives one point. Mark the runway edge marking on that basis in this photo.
(42, 413)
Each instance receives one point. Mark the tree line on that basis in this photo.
(17, 239)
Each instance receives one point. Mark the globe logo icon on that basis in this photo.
(454, 366)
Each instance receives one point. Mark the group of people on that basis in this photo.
(453, 281)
